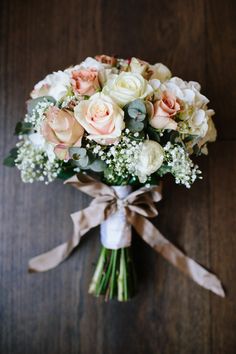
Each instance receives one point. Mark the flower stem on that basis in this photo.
(114, 275)
(98, 272)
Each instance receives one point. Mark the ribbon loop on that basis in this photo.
(138, 206)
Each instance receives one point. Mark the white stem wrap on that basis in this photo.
(116, 231)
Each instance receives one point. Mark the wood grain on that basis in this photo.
(52, 312)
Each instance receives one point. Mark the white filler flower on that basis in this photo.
(150, 159)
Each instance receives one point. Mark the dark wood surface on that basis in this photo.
(51, 313)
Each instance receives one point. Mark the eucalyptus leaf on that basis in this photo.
(31, 104)
(134, 126)
(76, 153)
(136, 110)
(136, 114)
(91, 156)
(138, 105)
(98, 166)
(83, 162)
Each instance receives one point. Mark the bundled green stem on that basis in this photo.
(114, 276)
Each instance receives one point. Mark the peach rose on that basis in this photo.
(101, 117)
(61, 129)
(85, 81)
(164, 111)
(106, 59)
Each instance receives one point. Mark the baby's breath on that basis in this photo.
(37, 115)
(121, 157)
(180, 165)
(34, 164)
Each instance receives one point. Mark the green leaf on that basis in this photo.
(86, 97)
(174, 135)
(153, 134)
(197, 150)
(14, 152)
(65, 174)
(154, 179)
(164, 169)
(9, 161)
(98, 166)
(23, 128)
(189, 138)
(31, 104)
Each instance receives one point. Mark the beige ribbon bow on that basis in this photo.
(138, 206)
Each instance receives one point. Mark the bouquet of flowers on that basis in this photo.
(113, 128)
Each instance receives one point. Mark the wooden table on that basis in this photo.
(51, 313)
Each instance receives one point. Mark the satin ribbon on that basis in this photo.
(138, 206)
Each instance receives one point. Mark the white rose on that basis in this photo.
(88, 63)
(55, 85)
(188, 92)
(150, 159)
(91, 63)
(101, 117)
(159, 72)
(126, 87)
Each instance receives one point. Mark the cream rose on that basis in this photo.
(126, 87)
(150, 159)
(139, 66)
(159, 71)
(101, 117)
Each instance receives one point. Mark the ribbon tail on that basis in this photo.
(156, 240)
(83, 221)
